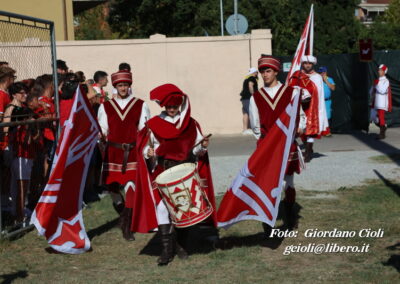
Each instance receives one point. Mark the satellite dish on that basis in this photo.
(242, 24)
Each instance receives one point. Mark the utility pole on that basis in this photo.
(235, 19)
(221, 7)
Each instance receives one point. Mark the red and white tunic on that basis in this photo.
(317, 120)
(177, 148)
(382, 94)
(266, 105)
(120, 120)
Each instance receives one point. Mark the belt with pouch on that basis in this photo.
(126, 147)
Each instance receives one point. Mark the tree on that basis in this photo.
(385, 31)
(336, 29)
(92, 24)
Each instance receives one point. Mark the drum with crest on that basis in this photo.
(181, 190)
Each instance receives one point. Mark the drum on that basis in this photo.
(180, 188)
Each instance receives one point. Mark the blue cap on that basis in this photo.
(322, 69)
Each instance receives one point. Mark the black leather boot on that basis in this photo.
(181, 243)
(119, 208)
(291, 218)
(267, 229)
(167, 242)
(125, 223)
(309, 152)
(382, 132)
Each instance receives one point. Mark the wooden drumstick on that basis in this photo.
(201, 141)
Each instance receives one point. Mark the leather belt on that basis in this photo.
(166, 163)
(127, 147)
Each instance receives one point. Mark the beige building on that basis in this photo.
(58, 11)
(210, 70)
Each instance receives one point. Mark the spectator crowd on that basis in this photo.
(28, 131)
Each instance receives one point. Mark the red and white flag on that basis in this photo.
(58, 214)
(305, 46)
(256, 191)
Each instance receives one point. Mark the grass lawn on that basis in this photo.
(248, 257)
(386, 159)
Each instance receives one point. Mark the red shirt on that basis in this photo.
(48, 132)
(4, 100)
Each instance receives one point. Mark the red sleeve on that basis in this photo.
(2, 105)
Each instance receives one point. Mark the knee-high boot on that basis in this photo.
(125, 223)
(290, 214)
(309, 152)
(382, 132)
(181, 243)
(167, 242)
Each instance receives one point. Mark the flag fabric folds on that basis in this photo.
(255, 192)
(58, 214)
(305, 46)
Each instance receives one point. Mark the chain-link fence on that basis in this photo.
(28, 121)
(25, 160)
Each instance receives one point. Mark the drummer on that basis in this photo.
(175, 138)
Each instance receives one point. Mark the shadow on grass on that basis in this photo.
(200, 239)
(102, 229)
(388, 183)
(376, 144)
(394, 259)
(263, 238)
(203, 239)
(9, 278)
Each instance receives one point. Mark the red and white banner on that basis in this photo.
(58, 214)
(366, 50)
(256, 191)
(305, 46)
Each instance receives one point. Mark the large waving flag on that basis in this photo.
(305, 46)
(58, 214)
(256, 190)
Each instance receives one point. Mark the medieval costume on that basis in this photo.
(174, 140)
(381, 100)
(120, 120)
(266, 106)
(314, 107)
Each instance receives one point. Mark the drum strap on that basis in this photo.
(127, 147)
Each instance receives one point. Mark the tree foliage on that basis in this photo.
(336, 29)
(92, 24)
(385, 31)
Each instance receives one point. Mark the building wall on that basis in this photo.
(58, 11)
(210, 70)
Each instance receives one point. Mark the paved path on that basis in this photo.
(340, 161)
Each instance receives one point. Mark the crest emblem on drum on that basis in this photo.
(182, 199)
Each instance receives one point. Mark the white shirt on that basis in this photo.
(122, 103)
(253, 109)
(198, 150)
(381, 94)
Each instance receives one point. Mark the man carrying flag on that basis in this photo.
(314, 108)
(255, 191)
(266, 105)
(312, 85)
